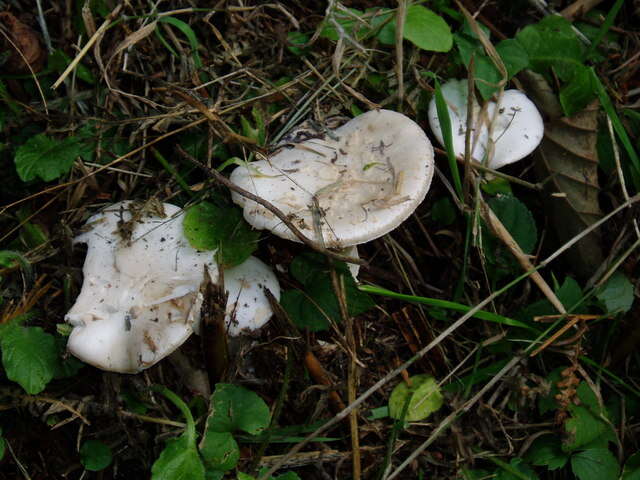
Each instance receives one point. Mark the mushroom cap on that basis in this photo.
(248, 308)
(517, 130)
(140, 296)
(353, 184)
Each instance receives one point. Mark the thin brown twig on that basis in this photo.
(221, 179)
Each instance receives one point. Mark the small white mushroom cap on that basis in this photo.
(248, 308)
(356, 183)
(517, 130)
(139, 298)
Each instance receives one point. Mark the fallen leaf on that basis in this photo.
(22, 44)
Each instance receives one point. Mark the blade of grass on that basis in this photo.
(447, 135)
(606, 25)
(618, 127)
(172, 171)
(188, 32)
(458, 307)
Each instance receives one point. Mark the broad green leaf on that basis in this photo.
(583, 428)
(507, 472)
(235, 408)
(631, 468)
(578, 92)
(547, 451)
(427, 30)
(95, 455)
(314, 307)
(443, 211)
(219, 450)
(424, 394)
(29, 356)
(595, 464)
(178, 461)
(46, 158)
(517, 219)
(617, 293)
(513, 55)
(211, 227)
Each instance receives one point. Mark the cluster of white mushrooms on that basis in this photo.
(140, 299)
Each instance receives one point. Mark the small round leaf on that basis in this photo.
(423, 395)
(95, 455)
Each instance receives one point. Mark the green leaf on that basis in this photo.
(59, 61)
(516, 469)
(583, 428)
(95, 455)
(296, 43)
(443, 211)
(578, 92)
(211, 227)
(513, 55)
(178, 461)
(517, 219)
(427, 30)
(617, 293)
(29, 356)
(236, 408)
(317, 305)
(347, 21)
(631, 468)
(547, 451)
(46, 158)
(425, 398)
(2, 445)
(219, 450)
(595, 464)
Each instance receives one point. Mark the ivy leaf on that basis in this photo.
(29, 356)
(617, 293)
(427, 30)
(178, 461)
(95, 455)
(46, 158)
(547, 451)
(236, 408)
(595, 464)
(221, 228)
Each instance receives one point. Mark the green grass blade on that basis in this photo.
(618, 127)
(188, 32)
(447, 135)
(458, 307)
(606, 25)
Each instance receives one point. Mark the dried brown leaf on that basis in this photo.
(23, 44)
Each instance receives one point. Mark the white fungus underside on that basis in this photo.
(248, 308)
(518, 127)
(138, 301)
(353, 189)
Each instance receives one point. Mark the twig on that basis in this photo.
(87, 46)
(221, 179)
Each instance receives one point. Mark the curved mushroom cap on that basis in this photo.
(139, 297)
(517, 130)
(248, 308)
(354, 184)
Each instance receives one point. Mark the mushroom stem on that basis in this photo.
(218, 177)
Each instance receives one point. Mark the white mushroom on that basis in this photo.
(517, 128)
(139, 298)
(248, 308)
(352, 185)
